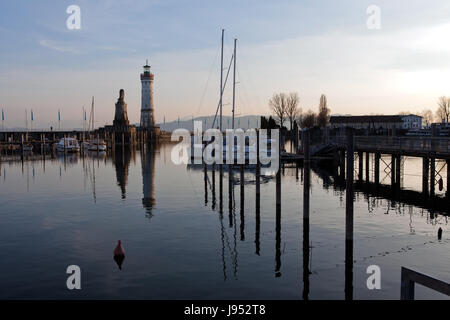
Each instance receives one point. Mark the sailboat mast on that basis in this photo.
(221, 80)
(92, 108)
(234, 81)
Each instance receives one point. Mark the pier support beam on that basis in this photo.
(360, 166)
(393, 170)
(432, 175)
(398, 160)
(425, 172)
(377, 168)
(367, 167)
(448, 178)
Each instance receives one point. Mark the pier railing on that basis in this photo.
(411, 277)
(419, 145)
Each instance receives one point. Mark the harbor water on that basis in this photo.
(183, 239)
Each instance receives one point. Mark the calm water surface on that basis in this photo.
(180, 244)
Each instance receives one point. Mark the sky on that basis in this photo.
(311, 47)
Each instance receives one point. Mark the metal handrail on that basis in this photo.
(410, 277)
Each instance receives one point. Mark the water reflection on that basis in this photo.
(272, 246)
(148, 179)
(121, 160)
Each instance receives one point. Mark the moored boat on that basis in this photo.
(68, 145)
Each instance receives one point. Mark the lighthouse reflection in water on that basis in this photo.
(196, 232)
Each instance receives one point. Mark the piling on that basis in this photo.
(393, 170)
(425, 172)
(360, 166)
(367, 167)
(278, 216)
(258, 169)
(398, 161)
(230, 194)
(242, 177)
(213, 173)
(205, 175)
(447, 162)
(349, 218)
(306, 188)
(432, 175)
(377, 168)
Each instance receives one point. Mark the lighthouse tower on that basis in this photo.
(147, 116)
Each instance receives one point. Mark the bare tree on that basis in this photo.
(323, 117)
(308, 119)
(292, 110)
(427, 116)
(278, 105)
(443, 111)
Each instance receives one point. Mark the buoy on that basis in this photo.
(441, 184)
(119, 251)
(119, 254)
(439, 233)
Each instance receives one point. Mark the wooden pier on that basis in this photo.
(428, 148)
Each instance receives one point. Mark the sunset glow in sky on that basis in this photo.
(311, 47)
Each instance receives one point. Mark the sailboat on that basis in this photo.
(93, 144)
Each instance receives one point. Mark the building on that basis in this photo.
(377, 122)
(147, 111)
(411, 121)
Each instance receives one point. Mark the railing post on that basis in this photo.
(407, 286)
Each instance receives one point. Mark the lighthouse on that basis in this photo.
(147, 116)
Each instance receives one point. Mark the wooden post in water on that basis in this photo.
(425, 172)
(377, 168)
(21, 146)
(393, 170)
(242, 180)
(306, 190)
(447, 162)
(306, 175)
(258, 169)
(360, 166)
(349, 218)
(257, 196)
(213, 173)
(230, 193)
(432, 175)
(205, 176)
(398, 160)
(367, 167)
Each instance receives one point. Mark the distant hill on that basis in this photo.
(243, 122)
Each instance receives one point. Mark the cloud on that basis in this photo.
(57, 47)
